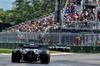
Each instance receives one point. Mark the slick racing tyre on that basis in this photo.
(16, 55)
(45, 56)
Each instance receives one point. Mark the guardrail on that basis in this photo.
(16, 45)
(78, 49)
(85, 49)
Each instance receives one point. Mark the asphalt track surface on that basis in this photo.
(58, 60)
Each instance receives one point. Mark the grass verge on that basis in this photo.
(5, 50)
(56, 52)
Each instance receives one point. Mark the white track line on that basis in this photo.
(4, 54)
(50, 54)
(61, 53)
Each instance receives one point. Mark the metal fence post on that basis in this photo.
(60, 38)
(69, 40)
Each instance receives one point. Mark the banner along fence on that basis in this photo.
(85, 49)
(77, 49)
(16, 45)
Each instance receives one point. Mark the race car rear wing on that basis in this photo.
(30, 46)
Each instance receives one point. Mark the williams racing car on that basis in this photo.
(30, 53)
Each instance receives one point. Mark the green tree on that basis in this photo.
(27, 9)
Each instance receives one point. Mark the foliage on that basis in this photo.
(27, 9)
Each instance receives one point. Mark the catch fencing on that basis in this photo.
(68, 39)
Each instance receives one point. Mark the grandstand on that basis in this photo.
(79, 26)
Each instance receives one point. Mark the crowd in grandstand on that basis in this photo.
(37, 26)
(41, 25)
(72, 15)
(46, 24)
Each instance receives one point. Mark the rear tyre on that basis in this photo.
(16, 55)
(45, 56)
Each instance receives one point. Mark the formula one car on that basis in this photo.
(59, 48)
(30, 53)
